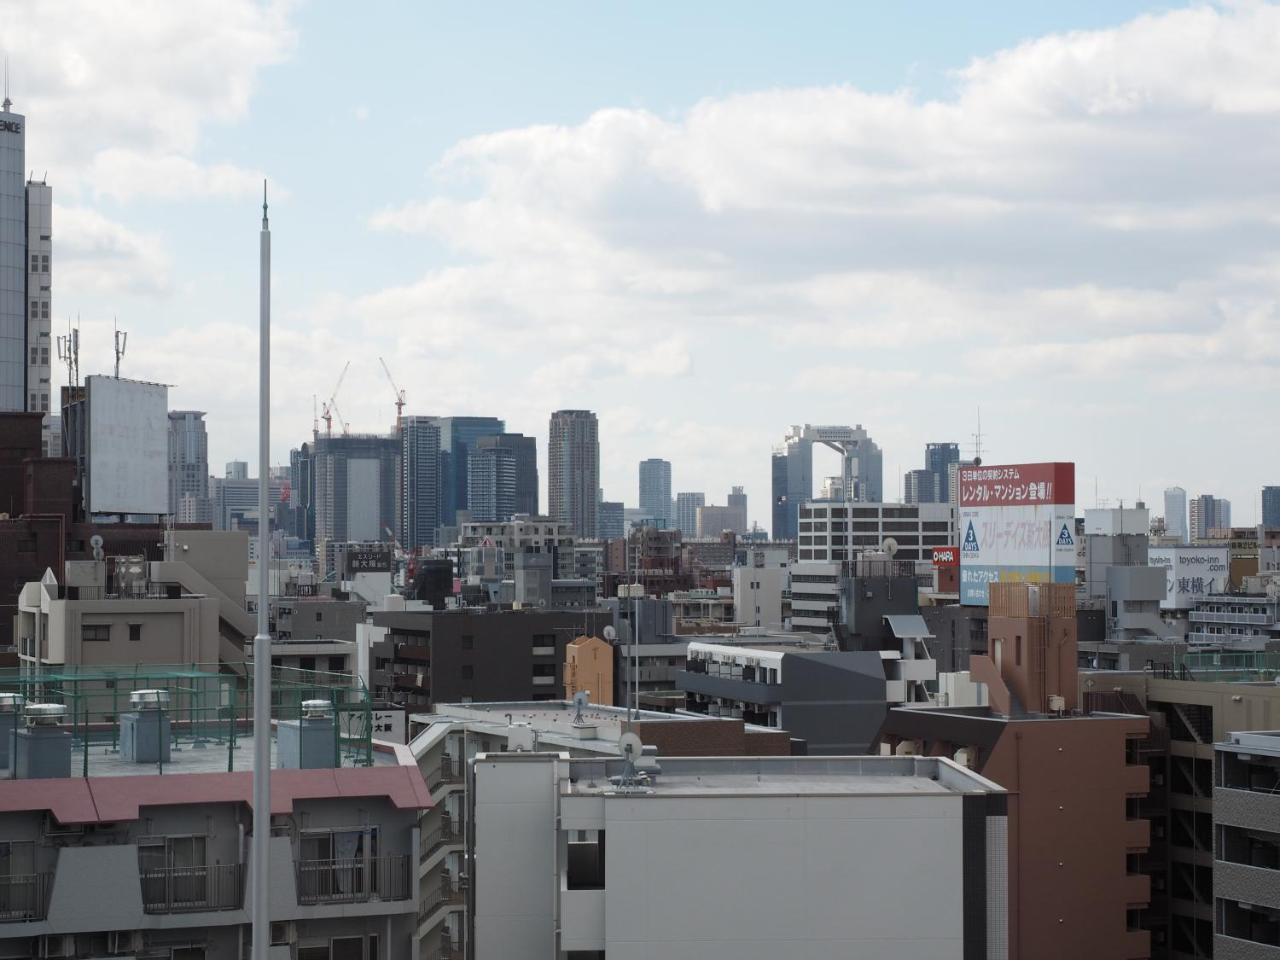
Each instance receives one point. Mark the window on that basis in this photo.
(468, 642)
(95, 632)
(318, 616)
(468, 671)
(1017, 651)
(337, 664)
(135, 632)
(44, 263)
(307, 663)
(585, 862)
(35, 263)
(44, 310)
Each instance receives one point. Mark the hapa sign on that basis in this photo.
(946, 556)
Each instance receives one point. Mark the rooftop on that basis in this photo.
(1254, 741)
(783, 776)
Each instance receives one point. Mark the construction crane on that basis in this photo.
(399, 394)
(329, 409)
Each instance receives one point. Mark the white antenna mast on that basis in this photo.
(977, 440)
(122, 339)
(69, 352)
(7, 102)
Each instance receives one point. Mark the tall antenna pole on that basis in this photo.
(122, 340)
(262, 641)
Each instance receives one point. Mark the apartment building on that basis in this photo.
(145, 851)
(1235, 620)
(447, 740)
(1075, 781)
(725, 856)
(1246, 860)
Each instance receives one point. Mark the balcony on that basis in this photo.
(448, 772)
(193, 889)
(25, 896)
(353, 881)
(440, 891)
(747, 691)
(1137, 834)
(1210, 616)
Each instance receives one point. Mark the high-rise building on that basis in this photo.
(418, 497)
(1175, 513)
(355, 479)
(458, 436)
(687, 505)
(1271, 508)
(655, 490)
(938, 458)
(610, 520)
(1208, 513)
(188, 459)
(573, 459)
(24, 274)
(302, 493)
(861, 476)
(524, 453)
(237, 470)
(737, 502)
(491, 484)
(920, 486)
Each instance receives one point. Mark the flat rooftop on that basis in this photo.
(783, 776)
(1254, 741)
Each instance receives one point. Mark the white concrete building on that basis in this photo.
(761, 595)
(831, 530)
(750, 858)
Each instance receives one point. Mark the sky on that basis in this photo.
(706, 222)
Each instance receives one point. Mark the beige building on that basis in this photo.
(588, 665)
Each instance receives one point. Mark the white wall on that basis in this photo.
(364, 501)
(128, 446)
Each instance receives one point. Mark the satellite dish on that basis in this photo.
(631, 746)
(95, 541)
(890, 546)
(610, 634)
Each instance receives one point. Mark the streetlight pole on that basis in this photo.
(262, 641)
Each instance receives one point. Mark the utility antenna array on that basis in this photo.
(121, 340)
(977, 441)
(69, 352)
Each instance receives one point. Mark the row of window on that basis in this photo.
(39, 263)
(39, 309)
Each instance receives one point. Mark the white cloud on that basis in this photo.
(1094, 210)
(95, 255)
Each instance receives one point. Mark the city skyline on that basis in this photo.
(1128, 290)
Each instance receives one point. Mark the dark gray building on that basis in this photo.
(418, 496)
(1271, 508)
(355, 479)
(522, 453)
(1246, 852)
(458, 437)
(833, 700)
(452, 656)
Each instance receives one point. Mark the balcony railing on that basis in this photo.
(447, 772)
(25, 896)
(439, 837)
(439, 892)
(354, 881)
(193, 889)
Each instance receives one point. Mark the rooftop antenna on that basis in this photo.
(7, 102)
(977, 441)
(69, 352)
(122, 339)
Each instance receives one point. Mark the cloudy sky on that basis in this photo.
(704, 224)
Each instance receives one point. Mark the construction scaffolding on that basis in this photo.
(208, 708)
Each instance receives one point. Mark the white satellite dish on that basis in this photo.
(890, 546)
(96, 543)
(631, 746)
(610, 634)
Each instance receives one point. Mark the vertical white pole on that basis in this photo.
(262, 642)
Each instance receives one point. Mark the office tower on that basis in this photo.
(237, 470)
(573, 459)
(524, 453)
(610, 520)
(938, 458)
(1208, 513)
(491, 484)
(420, 481)
(355, 488)
(458, 436)
(862, 470)
(920, 486)
(737, 503)
(21, 278)
(188, 459)
(655, 491)
(1271, 508)
(687, 505)
(302, 493)
(39, 293)
(1175, 513)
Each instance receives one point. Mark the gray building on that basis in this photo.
(573, 459)
(833, 700)
(655, 490)
(519, 456)
(1271, 508)
(418, 497)
(686, 519)
(657, 858)
(355, 479)
(188, 457)
(15, 273)
(1208, 513)
(458, 437)
(611, 522)
(491, 484)
(1246, 848)
(938, 460)
(1175, 513)
(920, 486)
(861, 477)
(234, 502)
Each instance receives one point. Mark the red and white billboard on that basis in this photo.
(1017, 522)
(946, 556)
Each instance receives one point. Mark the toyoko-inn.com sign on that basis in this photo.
(1017, 522)
(1191, 573)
